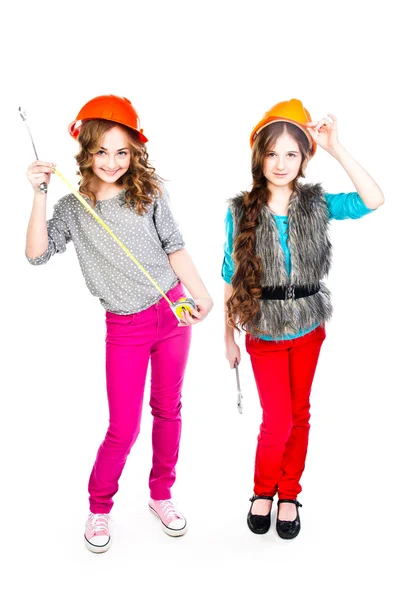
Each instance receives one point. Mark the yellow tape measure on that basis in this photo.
(180, 306)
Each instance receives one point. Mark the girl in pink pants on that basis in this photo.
(122, 187)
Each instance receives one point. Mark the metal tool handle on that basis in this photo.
(239, 399)
(43, 186)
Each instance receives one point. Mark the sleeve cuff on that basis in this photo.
(39, 260)
(227, 277)
(170, 248)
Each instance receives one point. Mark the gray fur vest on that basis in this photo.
(310, 251)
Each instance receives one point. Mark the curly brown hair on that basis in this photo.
(140, 180)
(243, 305)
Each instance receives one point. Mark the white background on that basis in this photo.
(200, 76)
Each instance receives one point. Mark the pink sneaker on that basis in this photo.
(97, 533)
(172, 521)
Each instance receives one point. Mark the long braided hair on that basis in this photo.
(243, 305)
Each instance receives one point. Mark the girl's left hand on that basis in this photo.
(324, 132)
(204, 305)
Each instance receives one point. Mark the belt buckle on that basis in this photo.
(290, 292)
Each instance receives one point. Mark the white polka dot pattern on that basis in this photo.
(108, 271)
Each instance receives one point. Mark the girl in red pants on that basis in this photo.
(277, 252)
(125, 192)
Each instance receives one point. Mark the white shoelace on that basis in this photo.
(99, 522)
(170, 510)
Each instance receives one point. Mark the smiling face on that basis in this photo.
(112, 160)
(282, 162)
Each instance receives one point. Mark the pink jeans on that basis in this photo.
(133, 340)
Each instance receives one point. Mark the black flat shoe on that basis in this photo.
(288, 530)
(259, 523)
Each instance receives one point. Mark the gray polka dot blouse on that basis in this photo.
(108, 271)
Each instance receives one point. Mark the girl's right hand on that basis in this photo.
(39, 172)
(232, 353)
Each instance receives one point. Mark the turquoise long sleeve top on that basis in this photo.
(340, 207)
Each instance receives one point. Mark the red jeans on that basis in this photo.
(284, 373)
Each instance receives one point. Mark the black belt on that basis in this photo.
(288, 292)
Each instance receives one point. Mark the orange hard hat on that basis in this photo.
(110, 108)
(292, 111)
